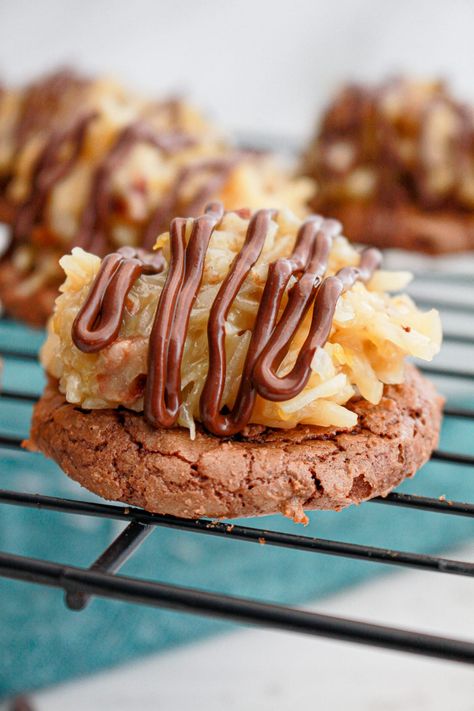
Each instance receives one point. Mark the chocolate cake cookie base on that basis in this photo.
(118, 456)
(32, 308)
(405, 227)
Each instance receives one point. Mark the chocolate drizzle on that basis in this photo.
(398, 148)
(50, 168)
(218, 170)
(48, 102)
(269, 384)
(168, 335)
(92, 234)
(98, 322)
(60, 93)
(45, 106)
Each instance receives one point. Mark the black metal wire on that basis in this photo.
(19, 354)
(454, 458)
(242, 610)
(462, 412)
(242, 533)
(113, 558)
(425, 503)
(462, 339)
(15, 395)
(237, 532)
(100, 579)
(10, 441)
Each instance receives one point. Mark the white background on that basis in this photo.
(265, 67)
(255, 64)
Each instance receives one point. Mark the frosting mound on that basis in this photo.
(86, 162)
(403, 141)
(368, 337)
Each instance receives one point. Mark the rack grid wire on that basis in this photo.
(101, 578)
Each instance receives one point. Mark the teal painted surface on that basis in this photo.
(42, 643)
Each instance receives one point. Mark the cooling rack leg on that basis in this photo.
(112, 558)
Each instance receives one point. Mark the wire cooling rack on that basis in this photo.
(100, 579)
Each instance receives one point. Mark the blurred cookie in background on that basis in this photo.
(395, 163)
(112, 170)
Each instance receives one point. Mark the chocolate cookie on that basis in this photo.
(78, 175)
(395, 163)
(52, 129)
(32, 308)
(407, 227)
(118, 455)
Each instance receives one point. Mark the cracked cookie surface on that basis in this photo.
(118, 456)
